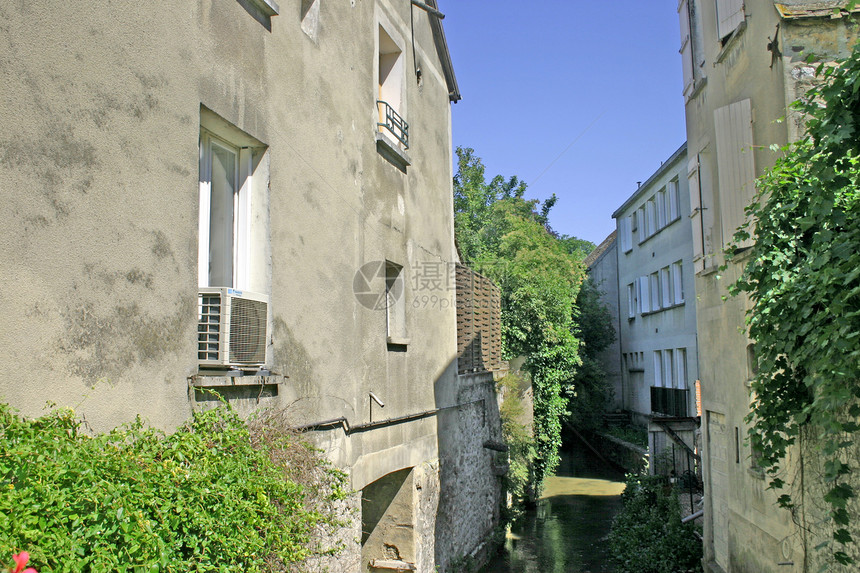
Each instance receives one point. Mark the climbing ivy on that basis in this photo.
(803, 280)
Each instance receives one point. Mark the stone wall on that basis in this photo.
(624, 454)
(470, 485)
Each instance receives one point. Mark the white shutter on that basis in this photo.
(640, 214)
(662, 220)
(686, 46)
(644, 296)
(730, 14)
(696, 213)
(735, 165)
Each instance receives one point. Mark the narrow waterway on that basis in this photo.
(566, 532)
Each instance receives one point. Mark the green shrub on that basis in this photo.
(647, 534)
(212, 496)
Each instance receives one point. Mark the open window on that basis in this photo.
(232, 283)
(390, 95)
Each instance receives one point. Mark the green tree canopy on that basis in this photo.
(507, 238)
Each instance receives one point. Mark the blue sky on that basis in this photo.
(599, 80)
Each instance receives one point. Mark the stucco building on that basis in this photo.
(602, 265)
(743, 63)
(231, 195)
(657, 324)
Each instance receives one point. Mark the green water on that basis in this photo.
(566, 532)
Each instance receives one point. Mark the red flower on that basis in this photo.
(21, 560)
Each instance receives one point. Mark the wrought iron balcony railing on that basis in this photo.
(391, 121)
(669, 401)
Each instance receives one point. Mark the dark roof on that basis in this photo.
(600, 249)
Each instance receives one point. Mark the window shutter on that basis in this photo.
(667, 369)
(730, 14)
(686, 46)
(642, 226)
(631, 301)
(678, 282)
(696, 214)
(735, 165)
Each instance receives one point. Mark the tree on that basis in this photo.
(590, 392)
(507, 238)
(803, 278)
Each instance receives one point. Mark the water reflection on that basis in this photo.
(566, 532)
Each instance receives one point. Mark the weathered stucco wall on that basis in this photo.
(744, 530)
(100, 179)
(604, 272)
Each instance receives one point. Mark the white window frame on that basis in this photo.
(666, 288)
(241, 209)
(662, 211)
(395, 304)
(674, 194)
(631, 300)
(658, 368)
(654, 290)
(678, 282)
(668, 369)
(681, 368)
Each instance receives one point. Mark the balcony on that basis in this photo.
(669, 401)
(390, 121)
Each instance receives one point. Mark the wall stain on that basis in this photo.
(161, 246)
(102, 343)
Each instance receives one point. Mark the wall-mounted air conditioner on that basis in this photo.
(231, 327)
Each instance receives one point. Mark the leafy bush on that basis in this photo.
(647, 534)
(213, 496)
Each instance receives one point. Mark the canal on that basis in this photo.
(566, 532)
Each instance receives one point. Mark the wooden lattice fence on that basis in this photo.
(479, 323)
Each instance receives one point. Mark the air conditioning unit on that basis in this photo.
(231, 327)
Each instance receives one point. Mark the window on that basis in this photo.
(665, 288)
(631, 301)
(677, 283)
(650, 217)
(654, 288)
(390, 95)
(395, 304)
(658, 368)
(735, 165)
(662, 212)
(681, 368)
(668, 369)
(730, 14)
(674, 196)
(640, 215)
(231, 172)
(644, 297)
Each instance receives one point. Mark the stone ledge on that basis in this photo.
(391, 565)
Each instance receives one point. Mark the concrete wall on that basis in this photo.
(670, 327)
(604, 272)
(100, 177)
(744, 530)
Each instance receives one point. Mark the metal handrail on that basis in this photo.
(394, 123)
